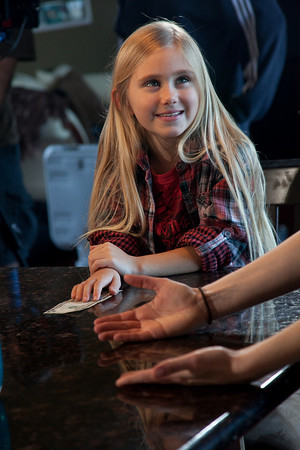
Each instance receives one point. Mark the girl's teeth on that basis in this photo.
(169, 114)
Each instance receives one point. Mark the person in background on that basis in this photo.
(178, 309)
(244, 42)
(283, 115)
(18, 223)
(178, 186)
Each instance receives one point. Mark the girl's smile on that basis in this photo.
(169, 117)
(163, 95)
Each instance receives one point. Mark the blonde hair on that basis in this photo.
(213, 132)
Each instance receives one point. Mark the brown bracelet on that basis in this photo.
(209, 317)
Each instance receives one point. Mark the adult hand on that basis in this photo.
(176, 309)
(95, 283)
(211, 365)
(109, 255)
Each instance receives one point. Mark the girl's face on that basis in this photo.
(163, 96)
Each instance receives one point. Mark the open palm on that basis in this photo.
(173, 311)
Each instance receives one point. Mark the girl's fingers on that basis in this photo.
(114, 286)
(97, 290)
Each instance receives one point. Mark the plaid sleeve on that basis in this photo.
(220, 238)
(218, 248)
(129, 244)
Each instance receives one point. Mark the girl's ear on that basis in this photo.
(115, 97)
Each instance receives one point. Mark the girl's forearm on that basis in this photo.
(274, 274)
(173, 262)
(269, 355)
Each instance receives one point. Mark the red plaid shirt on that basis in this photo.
(217, 232)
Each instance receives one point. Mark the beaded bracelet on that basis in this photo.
(209, 317)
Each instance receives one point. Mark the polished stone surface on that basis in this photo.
(59, 380)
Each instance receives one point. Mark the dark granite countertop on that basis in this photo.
(59, 380)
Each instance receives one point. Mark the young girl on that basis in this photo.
(178, 187)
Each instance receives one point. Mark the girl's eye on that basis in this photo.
(152, 83)
(182, 80)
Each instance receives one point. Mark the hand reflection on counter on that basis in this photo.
(101, 308)
(155, 351)
(126, 299)
(171, 415)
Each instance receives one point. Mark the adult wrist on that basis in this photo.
(245, 364)
(207, 305)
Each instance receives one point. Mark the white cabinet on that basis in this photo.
(61, 14)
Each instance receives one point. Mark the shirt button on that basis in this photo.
(180, 165)
(227, 233)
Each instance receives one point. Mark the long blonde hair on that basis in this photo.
(213, 132)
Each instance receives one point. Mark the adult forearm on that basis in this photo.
(274, 274)
(269, 355)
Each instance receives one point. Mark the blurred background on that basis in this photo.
(61, 97)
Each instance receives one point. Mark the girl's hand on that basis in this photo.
(95, 283)
(109, 255)
(212, 365)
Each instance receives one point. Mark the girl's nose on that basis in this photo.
(169, 95)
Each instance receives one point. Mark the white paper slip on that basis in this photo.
(69, 306)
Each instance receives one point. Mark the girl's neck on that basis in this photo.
(162, 164)
(163, 159)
